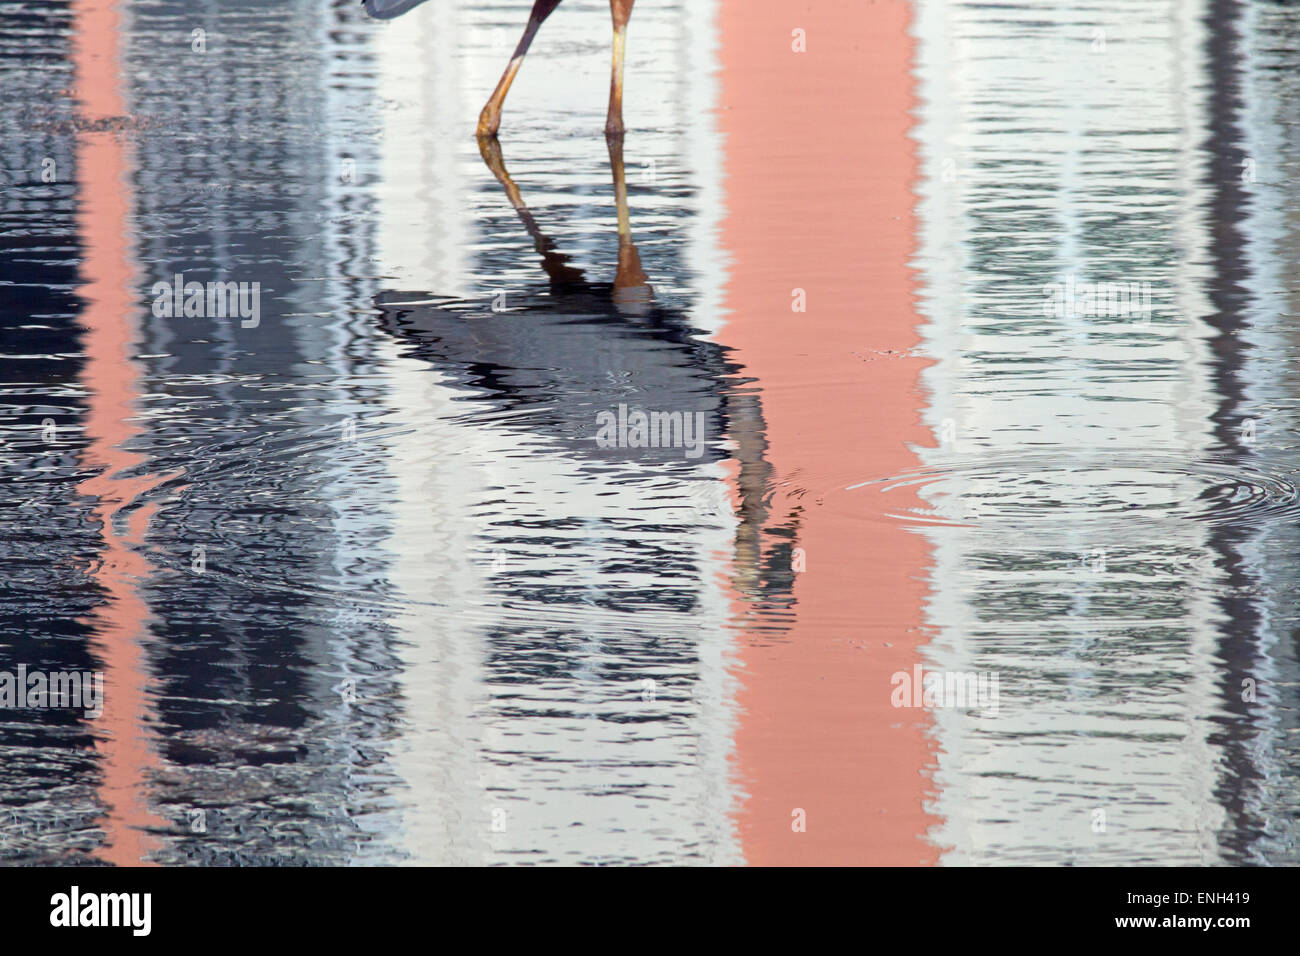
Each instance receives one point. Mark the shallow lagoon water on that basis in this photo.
(364, 588)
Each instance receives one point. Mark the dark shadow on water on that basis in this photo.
(567, 349)
(1240, 786)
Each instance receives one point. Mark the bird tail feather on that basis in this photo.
(387, 9)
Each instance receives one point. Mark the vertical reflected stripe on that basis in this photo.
(820, 173)
(112, 383)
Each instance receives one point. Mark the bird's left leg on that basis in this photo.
(622, 12)
(489, 121)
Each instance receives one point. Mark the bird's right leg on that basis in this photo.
(622, 12)
(489, 121)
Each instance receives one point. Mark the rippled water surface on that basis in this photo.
(364, 586)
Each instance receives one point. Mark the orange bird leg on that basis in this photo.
(489, 121)
(622, 12)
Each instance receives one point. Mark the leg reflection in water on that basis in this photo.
(761, 570)
(632, 293)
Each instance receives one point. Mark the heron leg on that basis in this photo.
(489, 121)
(622, 12)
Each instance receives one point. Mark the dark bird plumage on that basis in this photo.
(387, 9)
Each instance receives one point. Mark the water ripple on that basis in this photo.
(1069, 489)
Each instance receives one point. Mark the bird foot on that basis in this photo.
(489, 122)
